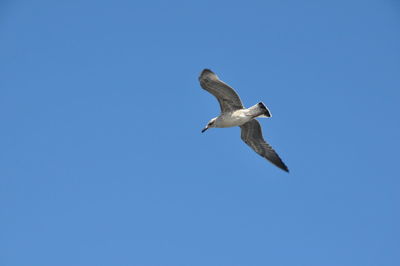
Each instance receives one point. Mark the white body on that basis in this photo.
(234, 119)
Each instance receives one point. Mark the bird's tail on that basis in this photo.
(260, 110)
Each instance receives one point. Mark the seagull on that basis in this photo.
(234, 114)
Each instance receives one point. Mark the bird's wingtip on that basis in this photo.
(206, 72)
(284, 167)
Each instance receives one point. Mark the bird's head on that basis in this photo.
(209, 125)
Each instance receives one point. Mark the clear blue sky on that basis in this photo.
(101, 157)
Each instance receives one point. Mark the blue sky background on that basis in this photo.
(101, 157)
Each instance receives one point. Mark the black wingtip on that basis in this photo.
(206, 74)
(282, 166)
(206, 70)
(277, 161)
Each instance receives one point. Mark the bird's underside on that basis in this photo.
(230, 102)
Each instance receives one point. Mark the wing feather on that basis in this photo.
(251, 134)
(228, 99)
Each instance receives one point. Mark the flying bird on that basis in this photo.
(233, 113)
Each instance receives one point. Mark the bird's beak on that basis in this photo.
(204, 129)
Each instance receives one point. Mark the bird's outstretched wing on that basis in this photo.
(227, 97)
(251, 134)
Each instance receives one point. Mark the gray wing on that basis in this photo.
(226, 96)
(252, 136)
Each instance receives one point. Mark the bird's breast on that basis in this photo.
(233, 119)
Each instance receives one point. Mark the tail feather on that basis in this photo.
(259, 110)
(264, 109)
